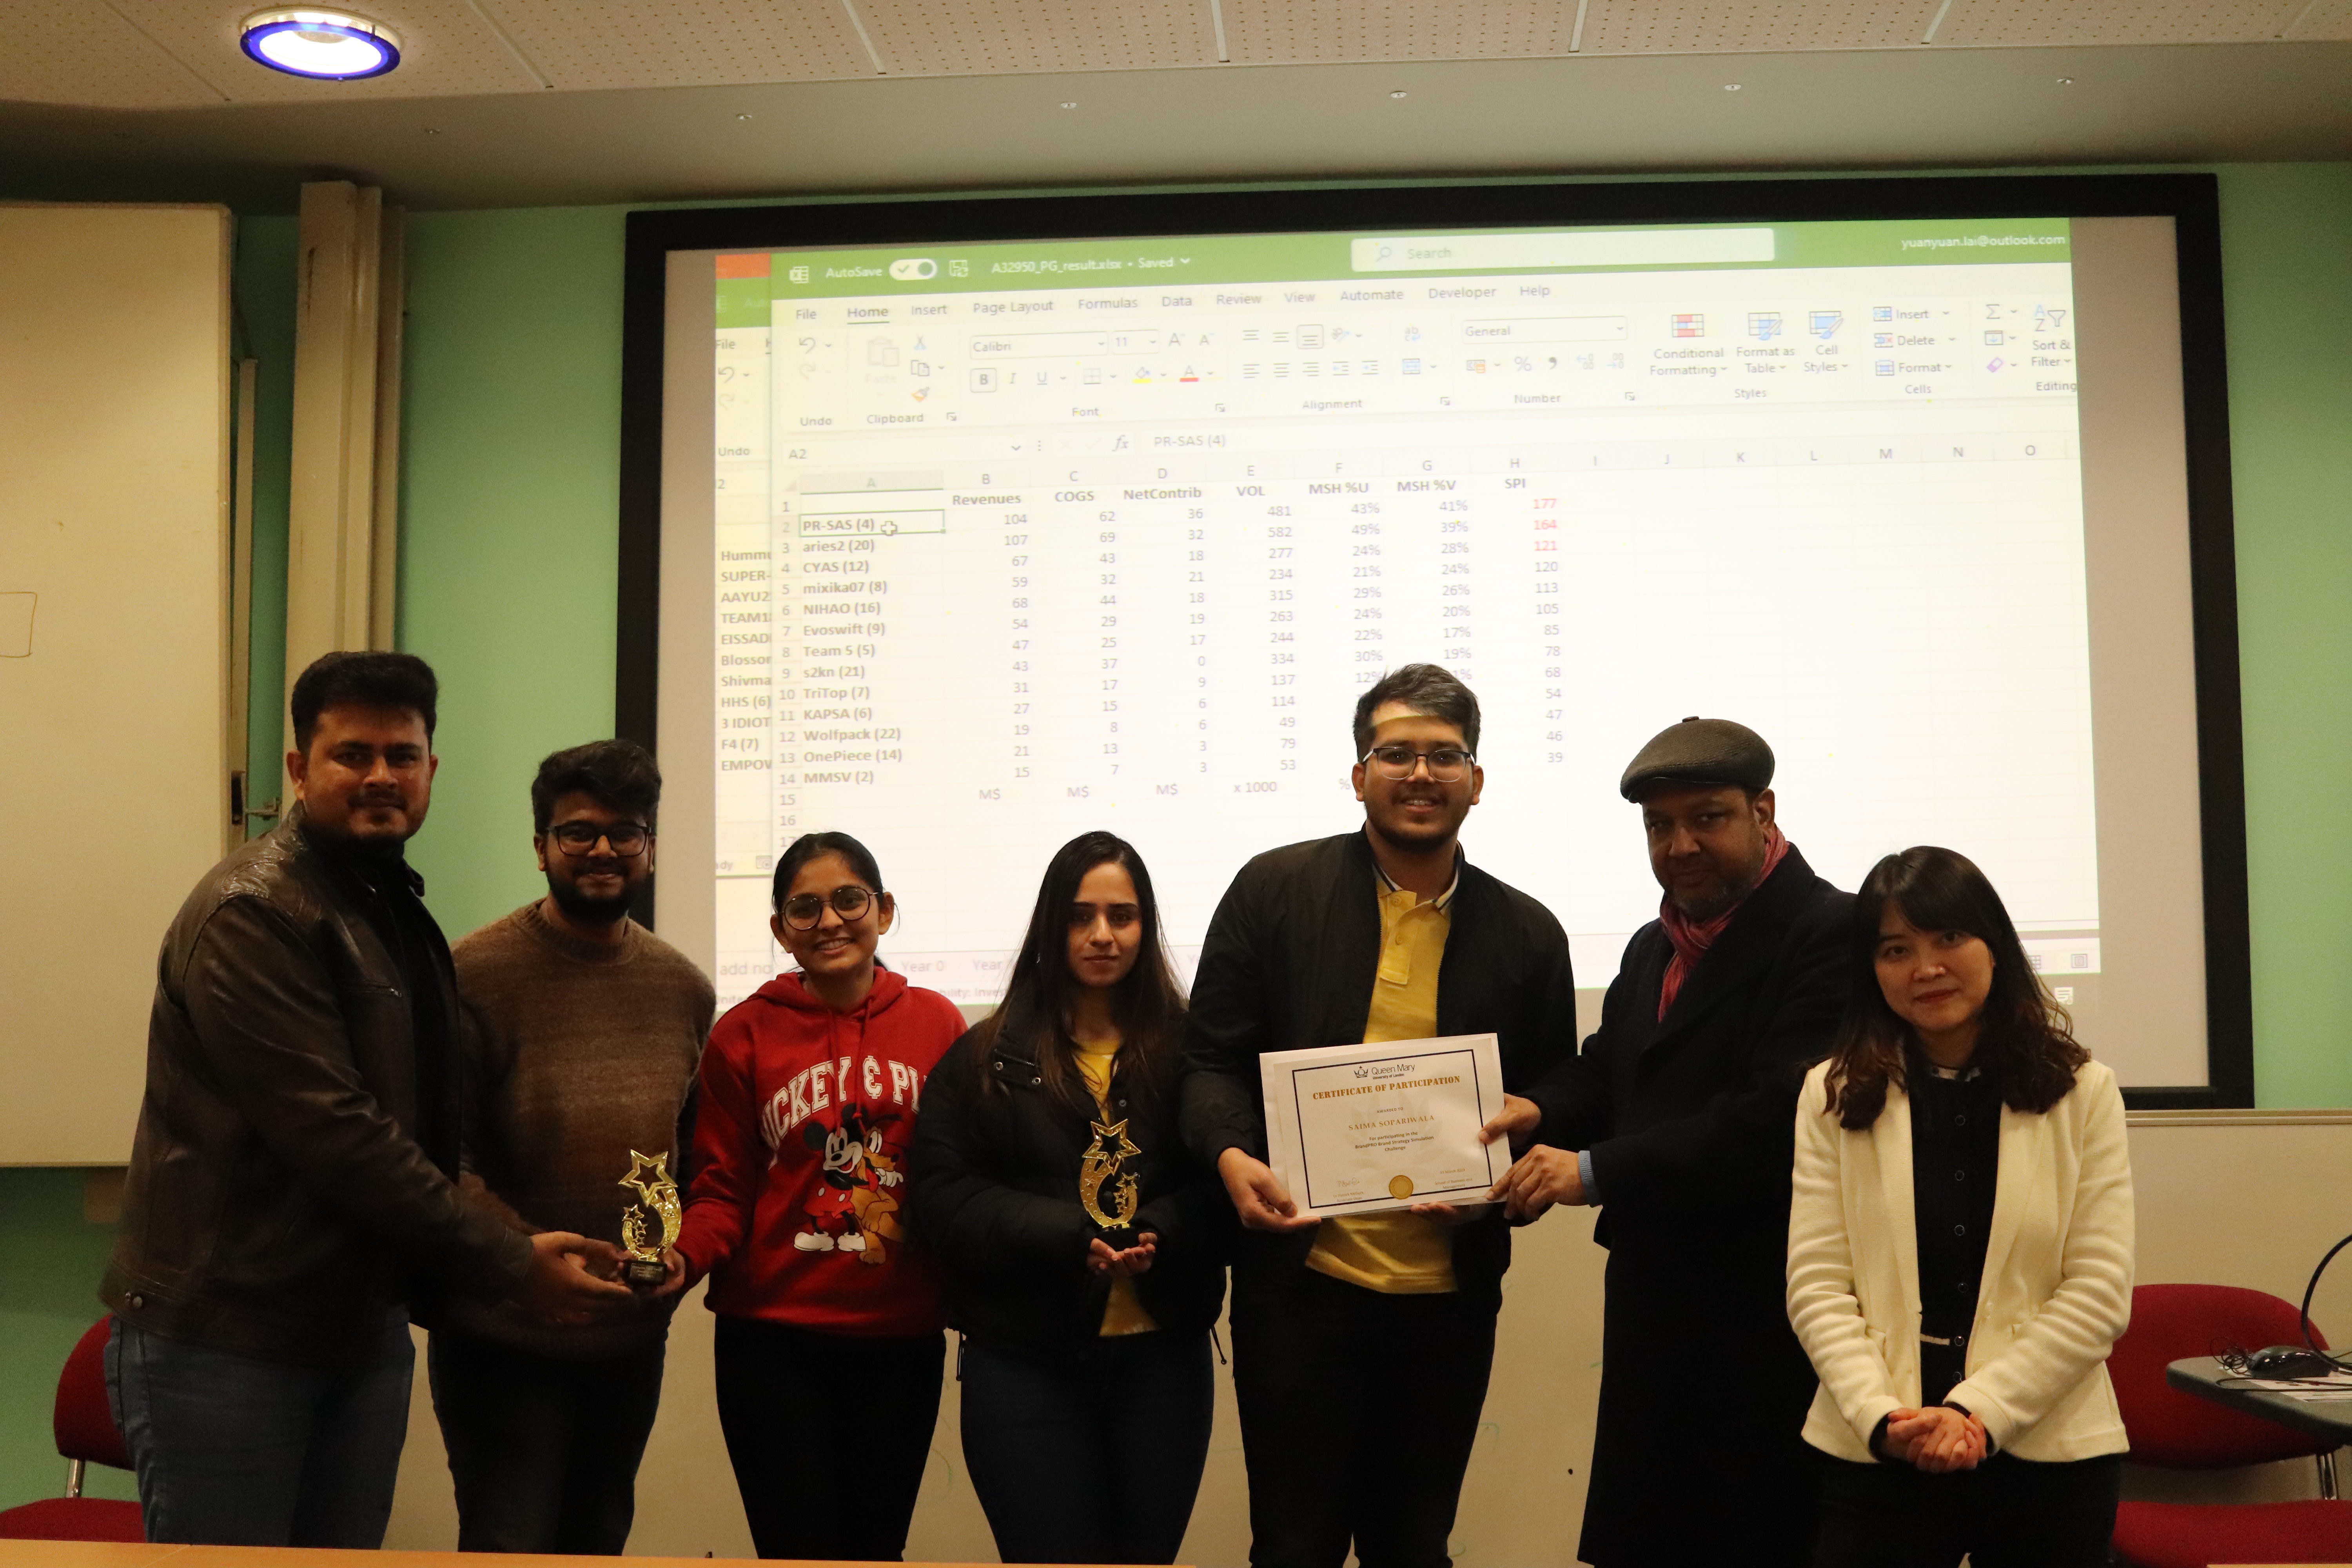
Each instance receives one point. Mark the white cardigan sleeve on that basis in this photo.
(2081, 1321)
(1822, 1305)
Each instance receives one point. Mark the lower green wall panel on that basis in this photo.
(50, 1259)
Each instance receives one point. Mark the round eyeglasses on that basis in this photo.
(1447, 764)
(802, 911)
(629, 839)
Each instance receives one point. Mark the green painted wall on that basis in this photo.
(509, 479)
(510, 491)
(264, 287)
(2287, 238)
(49, 1296)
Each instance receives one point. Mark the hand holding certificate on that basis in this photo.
(1364, 1129)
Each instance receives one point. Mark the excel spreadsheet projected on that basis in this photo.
(1012, 540)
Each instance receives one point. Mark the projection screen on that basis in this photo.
(972, 536)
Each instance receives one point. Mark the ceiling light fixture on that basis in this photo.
(335, 46)
(2065, 82)
(1731, 87)
(1398, 93)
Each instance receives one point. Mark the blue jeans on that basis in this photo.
(233, 1450)
(1093, 1458)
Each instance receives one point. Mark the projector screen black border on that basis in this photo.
(2191, 201)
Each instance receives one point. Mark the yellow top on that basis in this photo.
(1397, 1253)
(1123, 1313)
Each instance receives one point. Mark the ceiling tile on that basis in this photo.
(162, 54)
(2322, 19)
(940, 38)
(1301, 32)
(603, 43)
(71, 52)
(1801, 110)
(1734, 26)
(2028, 24)
(447, 50)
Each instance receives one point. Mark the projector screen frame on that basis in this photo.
(2190, 201)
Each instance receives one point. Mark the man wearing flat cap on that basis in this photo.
(1677, 1118)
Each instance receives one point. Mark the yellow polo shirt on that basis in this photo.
(1123, 1313)
(1397, 1253)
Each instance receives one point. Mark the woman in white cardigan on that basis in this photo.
(1960, 1244)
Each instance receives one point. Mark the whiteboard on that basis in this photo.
(114, 550)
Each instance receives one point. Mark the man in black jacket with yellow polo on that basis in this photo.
(1361, 1347)
(1677, 1120)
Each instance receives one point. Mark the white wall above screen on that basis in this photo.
(113, 712)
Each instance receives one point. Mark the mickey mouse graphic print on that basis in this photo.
(852, 1209)
(801, 1135)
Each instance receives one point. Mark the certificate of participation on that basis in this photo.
(1360, 1129)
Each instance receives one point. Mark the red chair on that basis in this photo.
(86, 1435)
(2175, 1431)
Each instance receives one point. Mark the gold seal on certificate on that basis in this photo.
(1360, 1129)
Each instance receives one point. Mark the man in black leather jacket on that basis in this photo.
(291, 1183)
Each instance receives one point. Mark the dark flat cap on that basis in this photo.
(1700, 751)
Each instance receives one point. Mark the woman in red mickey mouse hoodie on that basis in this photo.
(828, 1324)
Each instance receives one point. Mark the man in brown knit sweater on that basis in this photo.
(583, 1030)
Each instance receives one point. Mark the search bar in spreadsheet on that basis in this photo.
(1574, 248)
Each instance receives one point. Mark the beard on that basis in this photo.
(585, 910)
(1415, 836)
(368, 839)
(1723, 892)
(1701, 907)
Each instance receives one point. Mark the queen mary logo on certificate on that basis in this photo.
(1358, 1129)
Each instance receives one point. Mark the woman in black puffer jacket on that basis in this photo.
(1085, 1247)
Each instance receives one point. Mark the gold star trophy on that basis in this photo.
(1111, 1149)
(649, 1178)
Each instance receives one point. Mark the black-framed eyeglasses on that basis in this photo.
(627, 839)
(802, 911)
(1447, 764)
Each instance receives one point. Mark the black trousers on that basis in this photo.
(828, 1435)
(2008, 1512)
(1358, 1412)
(544, 1452)
(1093, 1458)
(1719, 1317)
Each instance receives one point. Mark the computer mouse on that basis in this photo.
(2288, 1361)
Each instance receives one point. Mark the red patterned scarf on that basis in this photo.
(1691, 937)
